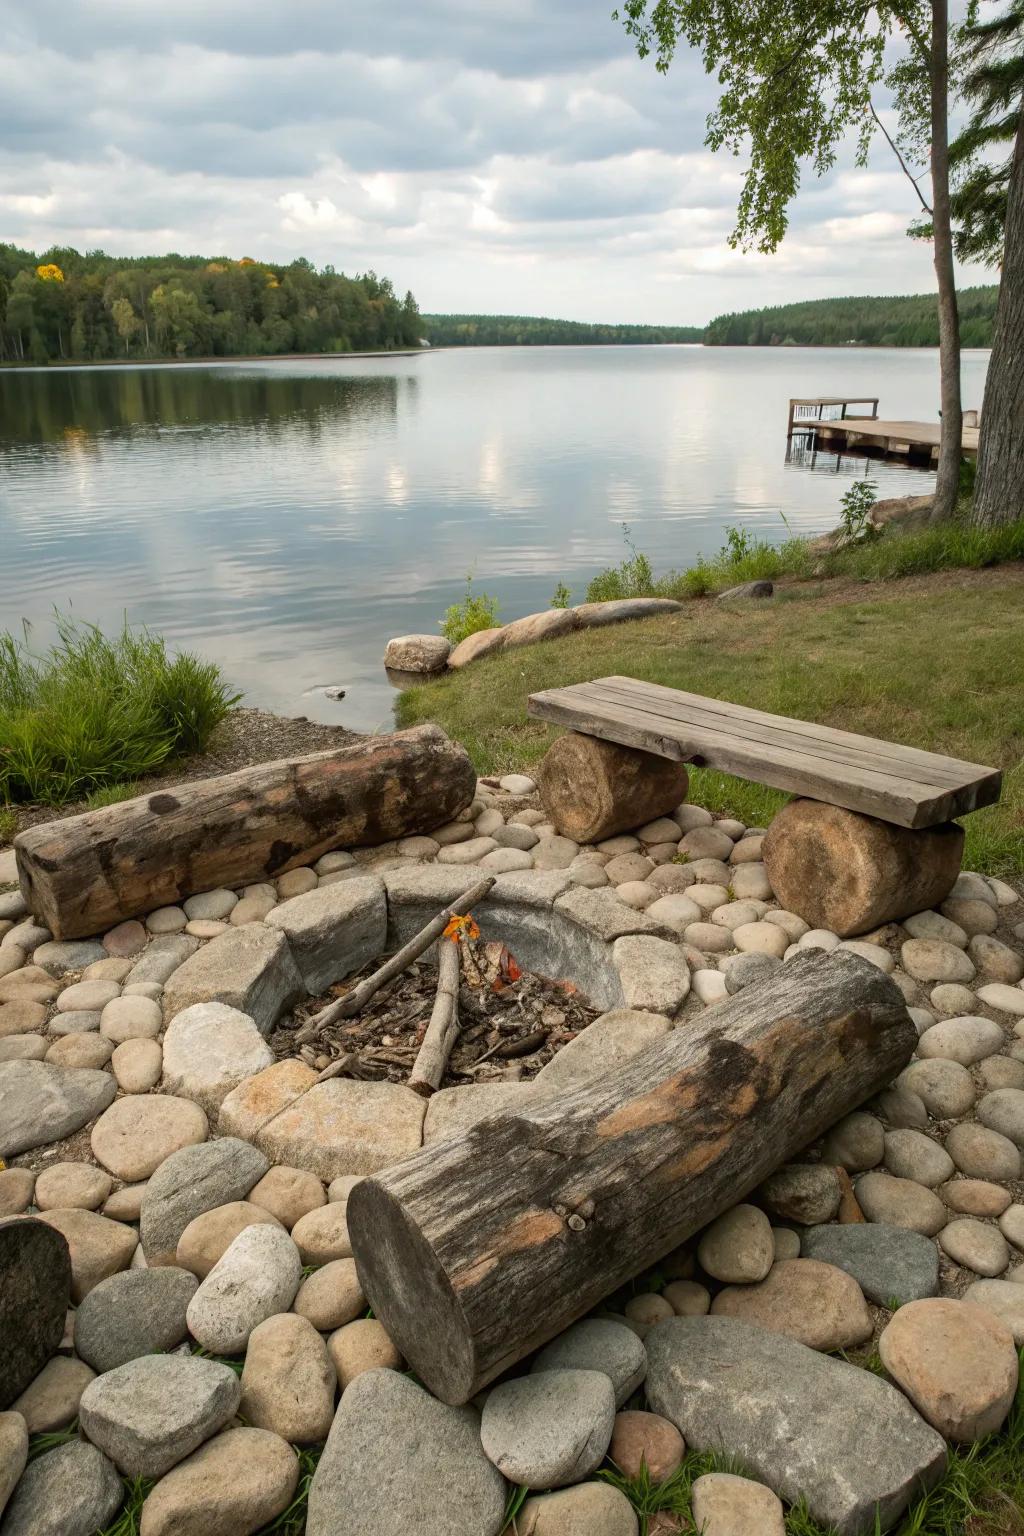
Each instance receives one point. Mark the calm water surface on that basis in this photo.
(286, 518)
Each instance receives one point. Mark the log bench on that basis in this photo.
(870, 839)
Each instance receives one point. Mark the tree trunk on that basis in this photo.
(82, 875)
(947, 485)
(476, 1251)
(999, 488)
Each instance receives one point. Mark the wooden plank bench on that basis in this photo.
(870, 840)
(898, 784)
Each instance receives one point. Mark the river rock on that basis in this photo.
(135, 1313)
(288, 1194)
(322, 1235)
(72, 1185)
(61, 956)
(250, 969)
(995, 961)
(150, 1413)
(726, 1505)
(41, 1103)
(654, 974)
(817, 1304)
(1003, 1111)
(417, 653)
(806, 1425)
(162, 956)
(603, 1047)
(191, 1181)
(646, 1439)
(208, 1050)
(975, 1197)
(135, 1135)
(804, 1192)
(98, 1247)
(1005, 999)
(590, 1509)
(983, 1154)
(79, 1022)
(71, 1491)
(88, 995)
(598, 1344)
(235, 1484)
(550, 1428)
(944, 1087)
(932, 925)
(966, 1040)
(913, 1155)
(16, 1188)
(1005, 1298)
(850, 873)
(397, 1461)
(209, 1236)
(975, 1245)
(79, 1050)
(957, 1364)
(738, 1247)
(856, 1143)
(288, 1383)
(900, 1203)
(888, 1263)
(131, 1018)
(331, 1296)
(13, 1453)
(137, 1065)
(257, 1276)
(51, 1400)
(744, 970)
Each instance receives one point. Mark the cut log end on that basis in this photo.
(593, 789)
(401, 1271)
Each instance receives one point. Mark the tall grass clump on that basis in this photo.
(93, 712)
(477, 611)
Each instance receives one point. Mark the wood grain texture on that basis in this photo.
(903, 785)
(82, 875)
(477, 1250)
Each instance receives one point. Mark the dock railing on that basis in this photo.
(804, 413)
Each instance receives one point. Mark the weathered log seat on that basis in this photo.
(871, 838)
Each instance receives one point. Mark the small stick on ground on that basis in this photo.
(349, 1005)
(432, 1061)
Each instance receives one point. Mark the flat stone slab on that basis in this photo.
(805, 1424)
(334, 930)
(249, 968)
(452, 1111)
(41, 1103)
(34, 1297)
(888, 1263)
(346, 1126)
(397, 1461)
(604, 1046)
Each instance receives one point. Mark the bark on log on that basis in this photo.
(593, 789)
(429, 1067)
(83, 875)
(476, 1251)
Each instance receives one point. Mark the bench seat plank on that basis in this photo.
(903, 785)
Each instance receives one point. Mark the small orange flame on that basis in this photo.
(461, 927)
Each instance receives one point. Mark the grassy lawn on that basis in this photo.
(935, 661)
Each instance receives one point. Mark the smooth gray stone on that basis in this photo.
(59, 956)
(748, 589)
(550, 1428)
(161, 958)
(71, 1491)
(334, 930)
(79, 1021)
(598, 1344)
(137, 1312)
(886, 1262)
(397, 1461)
(743, 970)
(804, 1192)
(250, 968)
(191, 1181)
(152, 1412)
(807, 1425)
(35, 1293)
(40, 1103)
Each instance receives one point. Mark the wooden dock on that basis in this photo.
(871, 434)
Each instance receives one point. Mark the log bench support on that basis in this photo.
(476, 1251)
(870, 840)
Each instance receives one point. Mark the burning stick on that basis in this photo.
(360, 995)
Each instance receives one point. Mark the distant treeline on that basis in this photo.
(881, 322)
(93, 308)
(535, 331)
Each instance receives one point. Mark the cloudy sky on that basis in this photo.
(493, 155)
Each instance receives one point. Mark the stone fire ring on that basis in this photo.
(239, 984)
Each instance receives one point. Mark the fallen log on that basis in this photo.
(83, 875)
(429, 1067)
(476, 1251)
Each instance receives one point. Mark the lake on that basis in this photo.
(287, 517)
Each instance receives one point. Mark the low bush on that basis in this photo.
(633, 578)
(476, 611)
(95, 712)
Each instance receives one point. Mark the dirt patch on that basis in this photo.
(246, 737)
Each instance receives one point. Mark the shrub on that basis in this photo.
(477, 611)
(562, 596)
(94, 712)
(855, 518)
(633, 578)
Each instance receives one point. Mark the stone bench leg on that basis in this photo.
(593, 789)
(851, 873)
